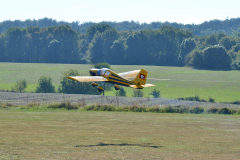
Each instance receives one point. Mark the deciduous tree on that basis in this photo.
(45, 85)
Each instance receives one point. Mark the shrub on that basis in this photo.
(196, 110)
(102, 65)
(45, 85)
(155, 93)
(33, 104)
(121, 92)
(238, 112)
(66, 105)
(211, 99)
(20, 85)
(154, 109)
(169, 109)
(225, 111)
(99, 107)
(233, 111)
(6, 105)
(182, 109)
(236, 102)
(135, 108)
(212, 110)
(106, 108)
(89, 108)
(195, 98)
(137, 93)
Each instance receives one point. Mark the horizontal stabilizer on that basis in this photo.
(148, 85)
(141, 86)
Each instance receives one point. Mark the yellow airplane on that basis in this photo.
(106, 75)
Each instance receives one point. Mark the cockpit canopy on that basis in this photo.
(99, 72)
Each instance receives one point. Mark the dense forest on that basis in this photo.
(228, 26)
(167, 45)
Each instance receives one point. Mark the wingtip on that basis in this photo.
(70, 78)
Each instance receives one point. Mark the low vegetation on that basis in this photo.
(81, 106)
(197, 98)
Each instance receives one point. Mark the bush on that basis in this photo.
(20, 85)
(169, 109)
(6, 105)
(166, 109)
(225, 111)
(45, 85)
(89, 108)
(212, 110)
(121, 92)
(182, 109)
(135, 108)
(137, 93)
(211, 99)
(33, 104)
(238, 112)
(102, 65)
(196, 110)
(99, 107)
(155, 93)
(66, 105)
(154, 109)
(196, 98)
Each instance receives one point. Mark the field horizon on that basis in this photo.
(222, 86)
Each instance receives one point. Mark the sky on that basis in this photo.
(180, 11)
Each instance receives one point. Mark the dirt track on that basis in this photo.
(43, 98)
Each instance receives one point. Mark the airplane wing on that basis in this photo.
(87, 78)
(130, 74)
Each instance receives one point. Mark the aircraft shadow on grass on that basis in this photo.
(111, 144)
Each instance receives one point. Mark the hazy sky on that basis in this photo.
(180, 11)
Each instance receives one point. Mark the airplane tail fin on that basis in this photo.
(141, 78)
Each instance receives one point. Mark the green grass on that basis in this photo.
(117, 135)
(223, 86)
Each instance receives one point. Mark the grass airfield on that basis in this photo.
(61, 134)
(117, 135)
(223, 86)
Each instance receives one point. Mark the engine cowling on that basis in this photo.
(93, 72)
(116, 87)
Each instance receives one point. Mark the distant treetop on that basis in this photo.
(228, 26)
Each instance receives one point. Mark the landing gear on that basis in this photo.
(101, 88)
(116, 87)
(94, 84)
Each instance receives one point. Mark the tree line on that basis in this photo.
(101, 43)
(166, 46)
(228, 26)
